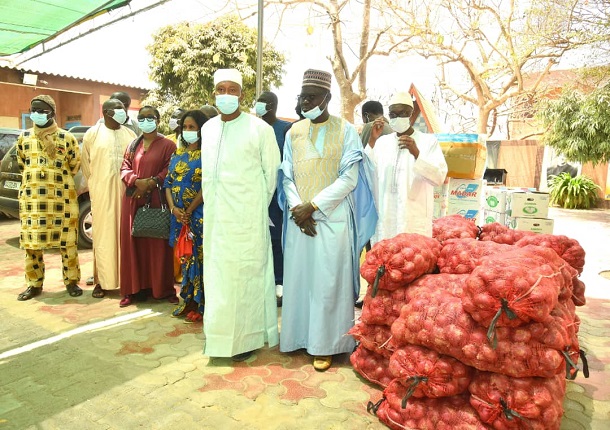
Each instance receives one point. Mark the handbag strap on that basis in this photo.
(161, 199)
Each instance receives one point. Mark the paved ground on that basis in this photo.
(84, 363)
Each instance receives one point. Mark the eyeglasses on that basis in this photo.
(149, 117)
(307, 98)
(43, 111)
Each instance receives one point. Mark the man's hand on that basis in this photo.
(302, 212)
(308, 227)
(408, 143)
(376, 130)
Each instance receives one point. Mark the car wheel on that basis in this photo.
(85, 225)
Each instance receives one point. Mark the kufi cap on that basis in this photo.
(46, 99)
(402, 98)
(317, 78)
(232, 75)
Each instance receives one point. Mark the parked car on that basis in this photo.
(10, 182)
(8, 136)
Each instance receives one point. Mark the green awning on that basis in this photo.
(26, 23)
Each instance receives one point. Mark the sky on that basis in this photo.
(117, 53)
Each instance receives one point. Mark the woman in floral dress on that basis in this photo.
(183, 191)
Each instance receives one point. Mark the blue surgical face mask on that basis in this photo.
(314, 113)
(190, 136)
(147, 125)
(261, 108)
(39, 119)
(119, 116)
(227, 103)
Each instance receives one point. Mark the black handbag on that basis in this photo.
(152, 222)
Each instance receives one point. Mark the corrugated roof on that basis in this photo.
(71, 76)
(27, 23)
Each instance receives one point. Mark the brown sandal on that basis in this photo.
(98, 292)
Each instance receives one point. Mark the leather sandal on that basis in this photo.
(74, 290)
(29, 293)
(193, 317)
(322, 363)
(98, 292)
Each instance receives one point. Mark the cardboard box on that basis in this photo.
(527, 204)
(465, 154)
(466, 191)
(440, 200)
(495, 199)
(469, 210)
(537, 225)
(493, 216)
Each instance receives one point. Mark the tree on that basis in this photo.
(486, 48)
(185, 57)
(371, 40)
(578, 125)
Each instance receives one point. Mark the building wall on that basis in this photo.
(78, 100)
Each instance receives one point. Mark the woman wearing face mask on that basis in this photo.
(183, 191)
(409, 164)
(146, 263)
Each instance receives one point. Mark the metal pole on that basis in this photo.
(259, 51)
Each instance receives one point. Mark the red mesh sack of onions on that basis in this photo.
(453, 227)
(499, 233)
(385, 307)
(568, 249)
(445, 413)
(461, 256)
(372, 366)
(374, 338)
(438, 321)
(393, 263)
(518, 403)
(578, 292)
(516, 287)
(426, 373)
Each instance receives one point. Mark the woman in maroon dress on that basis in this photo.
(146, 263)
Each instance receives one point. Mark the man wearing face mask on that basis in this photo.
(173, 124)
(266, 108)
(372, 110)
(240, 158)
(48, 158)
(103, 148)
(323, 189)
(409, 164)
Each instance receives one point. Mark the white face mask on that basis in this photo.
(173, 124)
(400, 124)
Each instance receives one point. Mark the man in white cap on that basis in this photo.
(409, 164)
(240, 159)
(324, 231)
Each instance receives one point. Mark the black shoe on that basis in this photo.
(359, 304)
(29, 293)
(243, 356)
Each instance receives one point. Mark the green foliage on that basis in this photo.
(185, 57)
(573, 193)
(578, 126)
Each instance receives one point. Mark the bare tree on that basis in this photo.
(351, 55)
(487, 48)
